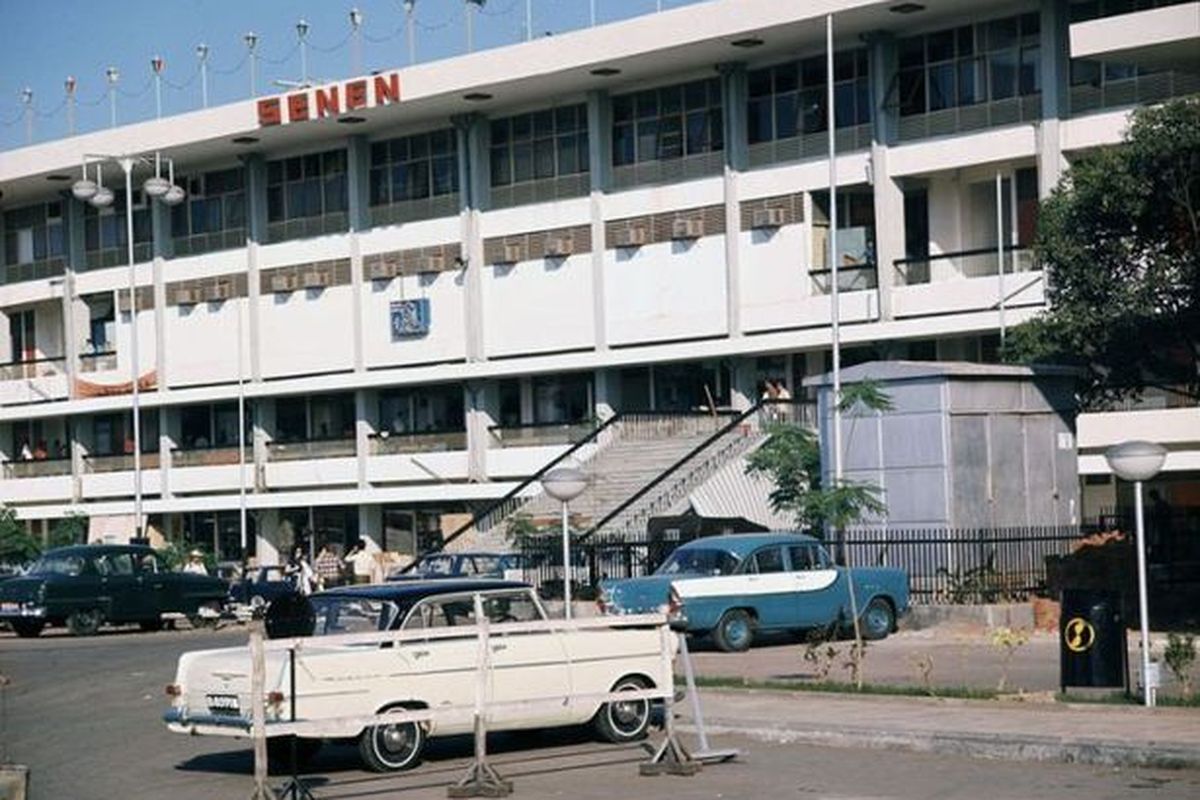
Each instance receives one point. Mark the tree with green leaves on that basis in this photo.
(1119, 240)
(71, 529)
(791, 459)
(17, 545)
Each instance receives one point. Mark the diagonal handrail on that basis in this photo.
(515, 491)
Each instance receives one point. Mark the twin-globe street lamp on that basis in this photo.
(1139, 461)
(564, 483)
(100, 196)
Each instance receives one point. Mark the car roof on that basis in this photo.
(742, 544)
(412, 591)
(99, 549)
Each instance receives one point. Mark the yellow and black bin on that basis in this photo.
(1092, 640)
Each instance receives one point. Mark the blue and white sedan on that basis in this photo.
(733, 587)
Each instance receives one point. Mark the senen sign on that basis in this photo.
(329, 101)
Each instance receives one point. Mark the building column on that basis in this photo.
(607, 387)
(256, 225)
(481, 404)
(370, 526)
(733, 96)
(743, 389)
(266, 540)
(1055, 51)
(76, 261)
(888, 196)
(78, 451)
(169, 432)
(264, 423)
(364, 426)
(470, 139)
(599, 122)
(358, 164)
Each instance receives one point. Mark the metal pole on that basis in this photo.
(566, 547)
(112, 75)
(1000, 251)
(27, 101)
(835, 311)
(70, 84)
(127, 165)
(528, 20)
(470, 27)
(593, 9)
(1143, 604)
(241, 438)
(409, 31)
(202, 51)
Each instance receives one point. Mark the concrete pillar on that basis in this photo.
(264, 425)
(469, 138)
(78, 451)
(76, 262)
(169, 435)
(370, 525)
(1055, 51)
(733, 96)
(266, 543)
(526, 386)
(161, 247)
(607, 388)
(481, 404)
(363, 428)
(358, 164)
(256, 223)
(743, 390)
(599, 121)
(888, 196)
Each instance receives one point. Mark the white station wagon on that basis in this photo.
(530, 664)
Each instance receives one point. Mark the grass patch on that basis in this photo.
(958, 692)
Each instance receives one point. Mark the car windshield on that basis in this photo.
(335, 615)
(436, 565)
(702, 561)
(57, 565)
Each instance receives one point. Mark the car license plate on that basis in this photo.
(222, 703)
(9, 608)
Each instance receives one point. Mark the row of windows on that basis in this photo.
(414, 167)
(970, 64)
(539, 146)
(34, 233)
(307, 186)
(216, 202)
(668, 123)
(791, 99)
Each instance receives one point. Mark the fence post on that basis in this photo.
(258, 716)
(481, 779)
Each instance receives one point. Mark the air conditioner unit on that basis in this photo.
(433, 262)
(687, 229)
(380, 271)
(512, 253)
(557, 246)
(187, 297)
(631, 236)
(282, 282)
(314, 279)
(218, 292)
(767, 218)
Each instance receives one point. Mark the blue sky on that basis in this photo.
(42, 42)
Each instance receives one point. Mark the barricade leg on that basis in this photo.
(671, 757)
(481, 779)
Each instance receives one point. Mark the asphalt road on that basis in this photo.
(84, 715)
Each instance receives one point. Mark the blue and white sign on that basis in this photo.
(410, 318)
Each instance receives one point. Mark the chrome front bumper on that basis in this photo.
(179, 718)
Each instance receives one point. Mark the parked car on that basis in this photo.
(211, 693)
(466, 564)
(85, 586)
(263, 585)
(736, 586)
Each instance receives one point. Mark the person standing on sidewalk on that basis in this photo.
(328, 567)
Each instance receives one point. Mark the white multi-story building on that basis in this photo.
(439, 275)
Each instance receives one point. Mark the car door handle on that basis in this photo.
(420, 653)
(496, 648)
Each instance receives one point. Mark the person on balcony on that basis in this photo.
(39, 451)
(26, 453)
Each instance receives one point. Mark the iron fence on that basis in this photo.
(944, 565)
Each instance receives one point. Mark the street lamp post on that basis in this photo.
(564, 483)
(1139, 461)
(96, 194)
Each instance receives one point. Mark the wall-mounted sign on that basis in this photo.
(410, 318)
(321, 102)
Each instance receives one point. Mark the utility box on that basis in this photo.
(1092, 650)
(963, 445)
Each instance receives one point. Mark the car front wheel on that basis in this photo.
(85, 622)
(734, 632)
(27, 628)
(877, 620)
(621, 721)
(391, 748)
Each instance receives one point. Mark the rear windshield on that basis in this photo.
(351, 615)
(699, 562)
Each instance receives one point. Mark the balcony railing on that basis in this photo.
(122, 462)
(978, 263)
(220, 455)
(809, 145)
(37, 468)
(102, 361)
(32, 368)
(851, 278)
(34, 270)
(118, 256)
(1137, 90)
(390, 444)
(195, 244)
(541, 433)
(311, 448)
(961, 119)
(307, 227)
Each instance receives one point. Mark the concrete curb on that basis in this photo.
(1010, 747)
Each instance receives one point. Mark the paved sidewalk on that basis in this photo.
(1074, 733)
